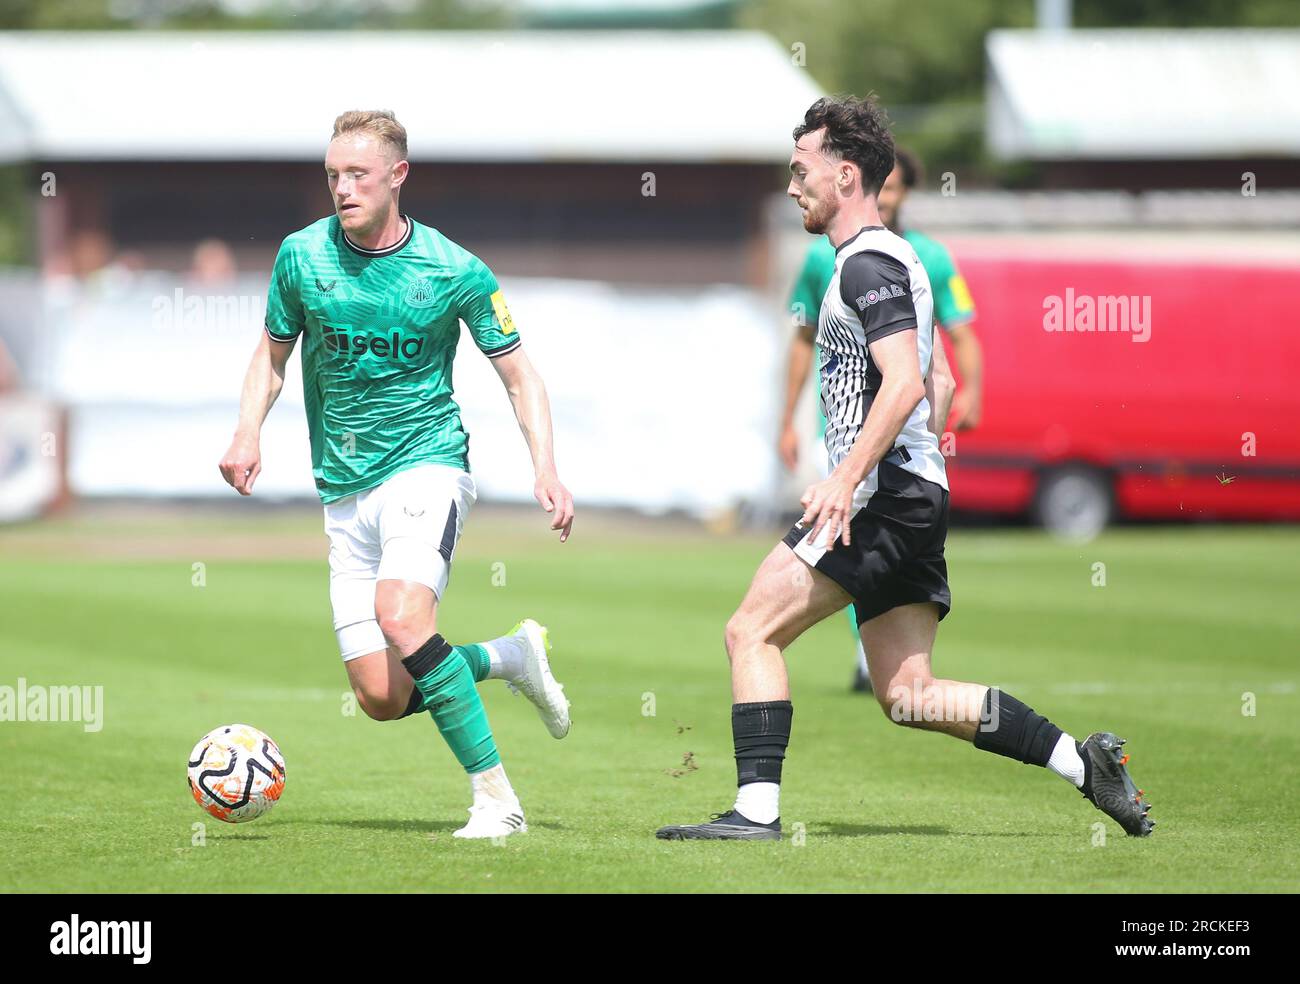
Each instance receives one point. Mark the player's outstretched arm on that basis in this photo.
(830, 503)
(242, 463)
(533, 411)
(939, 389)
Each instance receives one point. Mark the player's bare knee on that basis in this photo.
(731, 636)
(395, 627)
(904, 698)
(379, 707)
(404, 617)
(403, 630)
(741, 633)
(899, 709)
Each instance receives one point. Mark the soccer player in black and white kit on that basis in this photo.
(872, 533)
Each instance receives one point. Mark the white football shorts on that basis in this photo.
(405, 529)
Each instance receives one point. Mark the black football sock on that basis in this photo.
(416, 703)
(1008, 727)
(761, 732)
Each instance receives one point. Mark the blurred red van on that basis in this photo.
(1132, 388)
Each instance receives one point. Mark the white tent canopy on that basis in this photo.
(566, 96)
(1143, 93)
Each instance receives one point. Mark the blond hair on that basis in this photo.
(378, 122)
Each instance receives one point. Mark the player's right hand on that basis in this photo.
(552, 496)
(788, 447)
(241, 465)
(829, 504)
(965, 413)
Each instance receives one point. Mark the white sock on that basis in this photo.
(506, 656)
(492, 786)
(1065, 761)
(759, 801)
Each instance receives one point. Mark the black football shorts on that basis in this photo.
(896, 554)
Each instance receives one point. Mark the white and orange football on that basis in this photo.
(236, 773)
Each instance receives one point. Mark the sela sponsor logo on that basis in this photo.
(882, 293)
(75, 938)
(39, 703)
(1098, 313)
(344, 341)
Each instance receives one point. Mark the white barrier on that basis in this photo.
(662, 399)
(30, 476)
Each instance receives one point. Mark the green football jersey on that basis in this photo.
(379, 332)
(953, 304)
(814, 278)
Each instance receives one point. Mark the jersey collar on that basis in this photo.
(856, 235)
(387, 250)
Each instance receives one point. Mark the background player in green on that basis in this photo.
(954, 309)
(378, 299)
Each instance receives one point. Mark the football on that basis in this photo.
(236, 773)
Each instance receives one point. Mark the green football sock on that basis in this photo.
(443, 677)
(477, 658)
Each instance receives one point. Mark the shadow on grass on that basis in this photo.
(881, 830)
(876, 830)
(411, 826)
(229, 838)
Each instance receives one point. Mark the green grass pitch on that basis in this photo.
(1190, 623)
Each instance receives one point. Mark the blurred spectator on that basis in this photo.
(90, 266)
(90, 252)
(212, 263)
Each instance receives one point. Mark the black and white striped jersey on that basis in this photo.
(879, 287)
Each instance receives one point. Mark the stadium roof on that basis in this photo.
(580, 96)
(1166, 94)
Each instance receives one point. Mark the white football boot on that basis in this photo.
(496, 811)
(491, 819)
(537, 683)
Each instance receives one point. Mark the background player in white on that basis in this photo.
(872, 533)
(378, 299)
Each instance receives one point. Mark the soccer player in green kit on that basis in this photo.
(378, 299)
(953, 309)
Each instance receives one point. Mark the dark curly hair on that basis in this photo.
(857, 130)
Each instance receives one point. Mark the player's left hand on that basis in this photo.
(555, 499)
(829, 503)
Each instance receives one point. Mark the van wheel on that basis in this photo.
(1075, 502)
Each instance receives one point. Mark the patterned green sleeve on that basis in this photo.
(483, 309)
(953, 305)
(284, 314)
